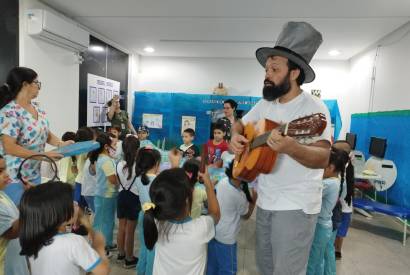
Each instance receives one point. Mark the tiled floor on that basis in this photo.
(373, 247)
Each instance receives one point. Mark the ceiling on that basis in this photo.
(234, 28)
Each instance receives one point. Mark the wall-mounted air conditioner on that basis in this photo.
(57, 30)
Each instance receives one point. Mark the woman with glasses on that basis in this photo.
(24, 129)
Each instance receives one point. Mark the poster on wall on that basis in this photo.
(100, 90)
(188, 122)
(152, 120)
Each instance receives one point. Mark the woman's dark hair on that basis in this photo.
(191, 166)
(349, 175)
(231, 102)
(43, 209)
(14, 82)
(130, 147)
(244, 184)
(84, 134)
(103, 139)
(293, 66)
(147, 158)
(169, 192)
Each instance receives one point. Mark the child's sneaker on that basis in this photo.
(120, 258)
(131, 264)
(108, 254)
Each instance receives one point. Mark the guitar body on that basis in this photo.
(259, 160)
(258, 157)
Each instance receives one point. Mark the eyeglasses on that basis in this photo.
(38, 83)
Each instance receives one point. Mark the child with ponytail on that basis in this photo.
(105, 200)
(146, 169)
(333, 177)
(180, 241)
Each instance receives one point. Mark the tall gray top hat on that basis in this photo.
(298, 42)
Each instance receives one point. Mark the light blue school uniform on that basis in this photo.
(105, 200)
(146, 257)
(323, 231)
(13, 263)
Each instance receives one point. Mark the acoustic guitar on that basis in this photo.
(258, 157)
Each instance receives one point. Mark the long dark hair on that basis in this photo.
(130, 148)
(43, 209)
(349, 173)
(244, 184)
(103, 139)
(170, 192)
(14, 82)
(147, 159)
(339, 158)
(191, 166)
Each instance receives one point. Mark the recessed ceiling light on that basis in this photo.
(149, 49)
(334, 53)
(97, 48)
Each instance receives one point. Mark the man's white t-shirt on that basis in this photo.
(68, 254)
(123, 176)
(290, 185)
(233, 204)
(184, 250)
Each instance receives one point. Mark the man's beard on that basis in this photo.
(271, 91)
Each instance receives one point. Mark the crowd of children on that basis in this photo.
(187, 223)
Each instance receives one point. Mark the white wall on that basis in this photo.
(392, 72)
(58, 71)
(240, 76)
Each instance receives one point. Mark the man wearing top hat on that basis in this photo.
(289, 197)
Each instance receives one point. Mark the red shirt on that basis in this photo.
(215, 151)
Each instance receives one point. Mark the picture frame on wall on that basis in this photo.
(93, 94)
(96, 114)
(101, 96)
(108, 95)
(104, 114)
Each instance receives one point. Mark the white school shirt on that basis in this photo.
(184, 251)
(123, 175)
(290, 185)
(233, 205)
(68, 254)
(89, 181)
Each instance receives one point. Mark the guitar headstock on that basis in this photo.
(308, 126)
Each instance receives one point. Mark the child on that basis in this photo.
(323, 231)
(10, 260)
(147, 167)
(83, 134)
(346, 200)
(188, 149)
(46, 210)
(199, 198)
(115, 131)
(180, 242)
(215, 147)
(67, 166)
(129, 204)
(143, 134)
(105, 200)
(234, 204)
